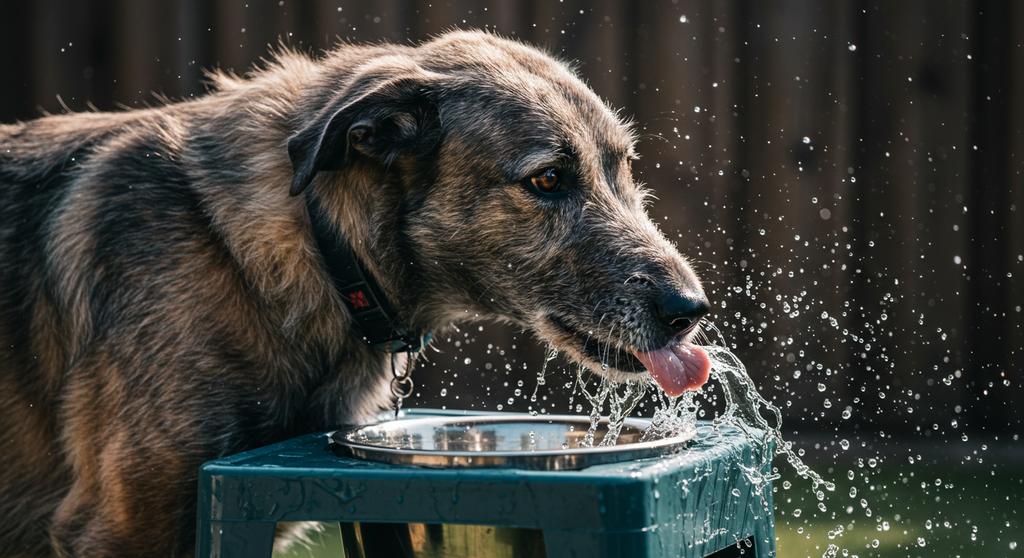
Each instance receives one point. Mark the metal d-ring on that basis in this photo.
(402, 385)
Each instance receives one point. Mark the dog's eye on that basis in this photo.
(546, 181)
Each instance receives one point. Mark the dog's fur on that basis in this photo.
(162, 301)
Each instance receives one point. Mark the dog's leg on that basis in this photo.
(135, 449)
(127, 507)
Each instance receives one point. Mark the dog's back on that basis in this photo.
(39, 162)
(130, 332)
(100, 233)
(36, 166)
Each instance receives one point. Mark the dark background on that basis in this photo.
(846, 175)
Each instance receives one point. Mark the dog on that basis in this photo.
(167, 294)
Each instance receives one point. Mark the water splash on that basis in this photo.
(621, 399)
(759, 420)
(550, 355)
(745, 409)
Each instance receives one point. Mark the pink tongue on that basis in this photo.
(677, 368)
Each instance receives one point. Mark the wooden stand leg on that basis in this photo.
(234, 539)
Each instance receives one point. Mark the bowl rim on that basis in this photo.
(343, 438)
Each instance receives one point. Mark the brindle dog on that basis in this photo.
(163, 302)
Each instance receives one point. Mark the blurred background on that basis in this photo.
(846, 176)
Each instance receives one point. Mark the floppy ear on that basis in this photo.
(378, 117)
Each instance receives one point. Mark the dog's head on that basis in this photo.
(499, 186)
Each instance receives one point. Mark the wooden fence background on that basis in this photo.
(846, 174)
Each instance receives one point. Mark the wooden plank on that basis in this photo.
(988, 218)
(794, 126)
(1015, 224)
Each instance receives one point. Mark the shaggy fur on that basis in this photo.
(162, 301)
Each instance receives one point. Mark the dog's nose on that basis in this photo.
(679, 312)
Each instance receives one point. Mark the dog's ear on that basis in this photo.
(377, 116)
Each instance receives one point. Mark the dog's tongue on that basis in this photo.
(677, 368)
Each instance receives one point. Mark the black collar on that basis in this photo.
(373, 316)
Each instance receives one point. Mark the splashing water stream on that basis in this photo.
(745, 409)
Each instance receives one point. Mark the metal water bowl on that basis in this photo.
(542, 442)
(537, 442)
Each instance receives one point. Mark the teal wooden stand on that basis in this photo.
(694, 504)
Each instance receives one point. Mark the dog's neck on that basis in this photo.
(358, 209)
(372, 313)
(269, 235)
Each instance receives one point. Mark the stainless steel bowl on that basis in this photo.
(541, 442)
